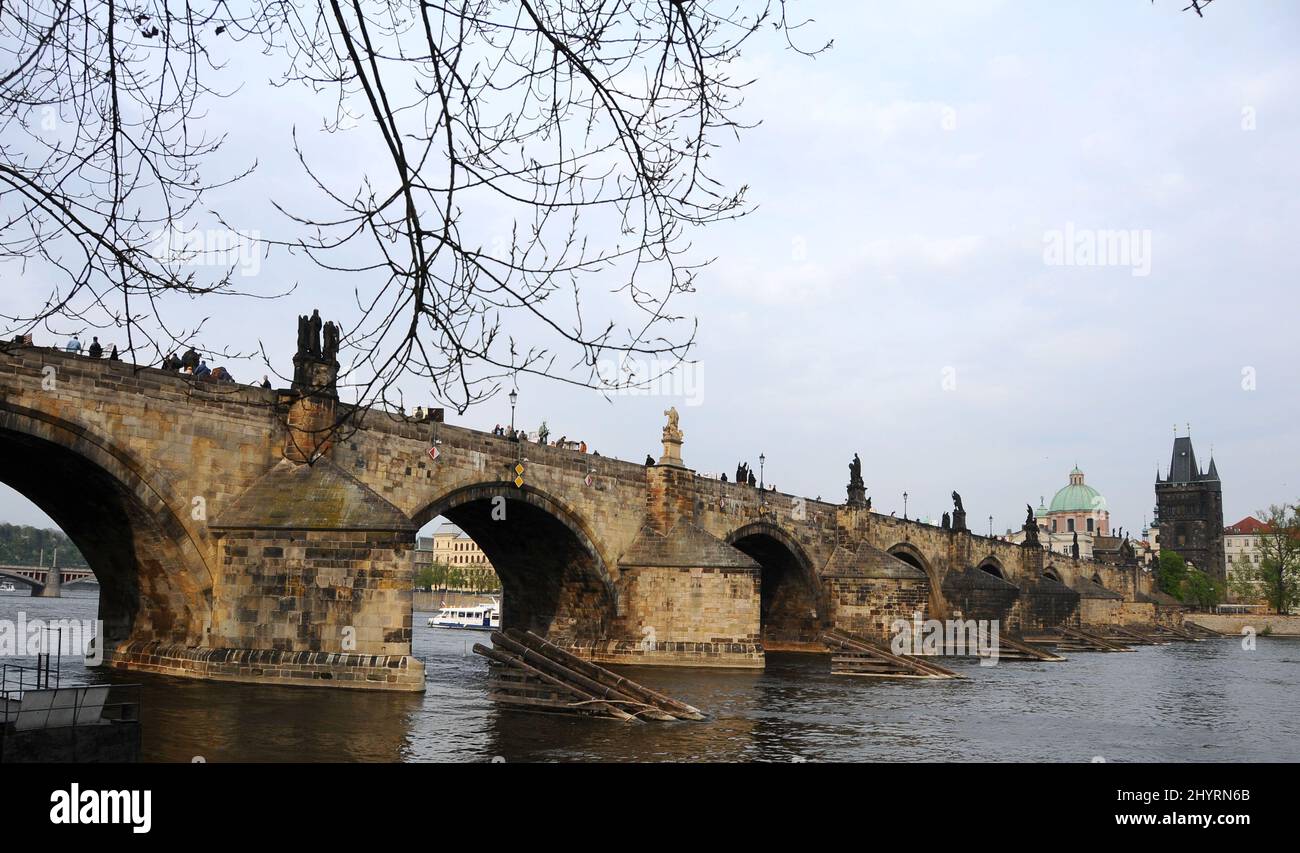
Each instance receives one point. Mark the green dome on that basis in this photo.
(1077, 497)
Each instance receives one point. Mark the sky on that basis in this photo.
(915, 283)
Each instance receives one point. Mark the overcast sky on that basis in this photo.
(891, 295)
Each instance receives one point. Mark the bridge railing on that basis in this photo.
(29, 701)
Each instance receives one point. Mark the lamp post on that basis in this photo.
(761, 460)
(990, 527)
(514, 397)
(904, 506)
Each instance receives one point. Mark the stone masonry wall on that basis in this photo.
(322, 591)
(869, 606)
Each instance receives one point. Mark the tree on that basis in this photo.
(1200, 590)
(587, 125)
(426, 577)
(1278, 572)
(21, 545)
(1243, 580)
(1171, 571)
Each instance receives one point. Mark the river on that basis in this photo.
(1209, 701)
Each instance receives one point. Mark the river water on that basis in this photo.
(1210, 701)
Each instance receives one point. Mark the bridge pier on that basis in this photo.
(53, 587)
(686, 598)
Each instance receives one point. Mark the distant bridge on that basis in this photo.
(37, 578)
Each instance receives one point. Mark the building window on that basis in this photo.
(1069, 525)
(1090, 525)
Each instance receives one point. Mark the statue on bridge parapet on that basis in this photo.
(1031, 526)
(1074, 547)
(857, 488)
(311, 423)
(947, 522)
(958, 513)
(672, 438)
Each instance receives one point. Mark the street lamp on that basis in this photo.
(761, 460)
(514, 397)
(904, 506)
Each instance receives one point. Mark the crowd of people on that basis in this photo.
(543, 438)
(191, 363)
(95, 350)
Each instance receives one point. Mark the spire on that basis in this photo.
(1182, 464)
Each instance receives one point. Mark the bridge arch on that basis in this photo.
(993, 566)
(1051, 572)
(6, 575)
(915, 557)
(555, 580)
(154, 581)
(792, 606)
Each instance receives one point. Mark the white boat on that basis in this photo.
(480, 617)
(8, 586)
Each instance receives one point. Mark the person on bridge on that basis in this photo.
(95, 351)
(190, 361)
(112, 356)
(202, 371)
(582, 447)
(649, 461)
(172, 362)
(542, 433)
(74, 345)
(266, 383)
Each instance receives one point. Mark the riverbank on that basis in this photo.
(431, 602)
(1277, 626)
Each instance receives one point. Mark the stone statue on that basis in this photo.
(947, 522)
(958, 513)
(304, 335)
(672, 430)
(857, 489)
(1074, 547)
(314, 339)
(1031, 526)
(331, 348)
(672, 438)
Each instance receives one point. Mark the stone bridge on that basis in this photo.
(266, 535)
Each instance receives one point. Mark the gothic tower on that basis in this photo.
(1189, 502)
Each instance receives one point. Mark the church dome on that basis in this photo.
(1078, 496)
